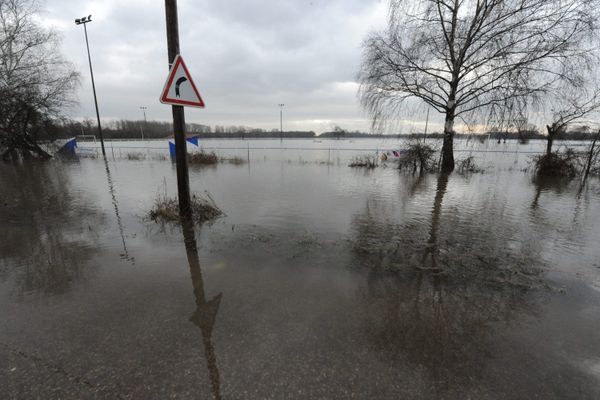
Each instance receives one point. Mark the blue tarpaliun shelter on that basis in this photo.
(68, 148)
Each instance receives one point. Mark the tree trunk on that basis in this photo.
(447, 147)
(550, 140)
(590, 157)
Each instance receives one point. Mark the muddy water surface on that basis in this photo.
(321, 282)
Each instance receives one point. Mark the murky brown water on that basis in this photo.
(321, 282)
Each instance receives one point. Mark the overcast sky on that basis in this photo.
(246, 56)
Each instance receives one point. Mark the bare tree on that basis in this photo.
(570, 103)
(592, 158)
(460, 56)
(36, 83)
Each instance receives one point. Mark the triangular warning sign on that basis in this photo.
(180, 89)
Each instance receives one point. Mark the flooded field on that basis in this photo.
(320, 282)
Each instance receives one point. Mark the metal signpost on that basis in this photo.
(179, 91)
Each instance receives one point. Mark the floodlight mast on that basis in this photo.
(281, 105)
(83, 21)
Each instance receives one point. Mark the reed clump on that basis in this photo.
(166, 209)
(368, 162)
(203, 158)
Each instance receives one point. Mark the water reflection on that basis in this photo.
(430, 253)
(49, 231)
(111, 189)
(547, 184)
(437, 291)
(206, 310)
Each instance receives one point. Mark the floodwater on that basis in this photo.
(321, 282)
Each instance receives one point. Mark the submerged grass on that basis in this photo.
(210, 158)
(467, 166)
(203, 158)
(136, 156)
(233, 160)
(363, 162)
(166, 209)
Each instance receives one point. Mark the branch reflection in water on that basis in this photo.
(437, 291)
(206, 310)
(50, 233)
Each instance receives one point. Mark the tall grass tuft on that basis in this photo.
(166, 209)
(203, 158)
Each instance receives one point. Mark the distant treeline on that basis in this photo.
(127, 129)
(575, 134)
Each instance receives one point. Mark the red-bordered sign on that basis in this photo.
(180, 89)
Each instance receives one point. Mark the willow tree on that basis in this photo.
(460, 56)
(36, 83)
(571, 102)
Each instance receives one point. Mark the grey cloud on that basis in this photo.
(246, 57)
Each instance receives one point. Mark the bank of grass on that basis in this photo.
(203, 158)
(135, 156)
(210, 158)
(166, 209)
(233, 160)
(367, 161)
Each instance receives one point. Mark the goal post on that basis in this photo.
(86, 138)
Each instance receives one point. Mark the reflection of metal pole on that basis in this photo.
(111, 189)
(183, 181)
(206, 311)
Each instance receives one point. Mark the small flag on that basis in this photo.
(193, 140)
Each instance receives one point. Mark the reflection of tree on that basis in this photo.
(206, 310)
(436, 291)
(544, 184)
(48, 235)
(430, 251)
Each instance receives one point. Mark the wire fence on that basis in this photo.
(375, 150)
(488, 155)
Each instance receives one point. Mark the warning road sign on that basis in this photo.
(180, 89)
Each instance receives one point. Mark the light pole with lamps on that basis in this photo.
(83, 21)
(281, 120)
(145, 120)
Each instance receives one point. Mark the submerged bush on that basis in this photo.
(557, 164)
(468, 165)
(203, 158)
(523, 139)
(166, 209)
(363, 162)
(418, 156)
